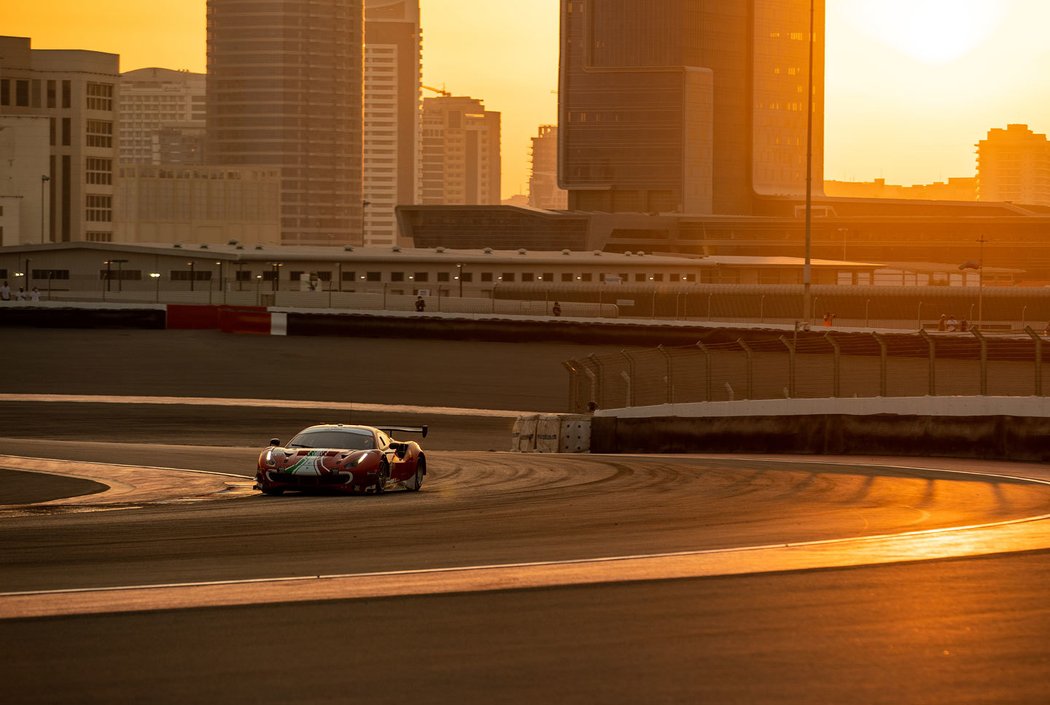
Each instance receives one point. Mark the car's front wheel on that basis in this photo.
(382, 475)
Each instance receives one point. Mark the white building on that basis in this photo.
(77, 91)
(155, 102)
(392, 120)
(24, 180)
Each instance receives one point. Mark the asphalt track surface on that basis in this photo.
(960, 630)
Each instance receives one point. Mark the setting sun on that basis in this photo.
(933, 31)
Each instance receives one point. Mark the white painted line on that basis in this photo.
(265, 404)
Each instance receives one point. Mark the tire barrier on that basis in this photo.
(551, 433)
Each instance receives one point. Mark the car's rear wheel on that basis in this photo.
(417, 481)
(272, 491)
(382, 476)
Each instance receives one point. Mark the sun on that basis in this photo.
(931, 31)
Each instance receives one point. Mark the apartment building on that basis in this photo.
(77, 92)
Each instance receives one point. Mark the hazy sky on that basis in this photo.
(912, 85)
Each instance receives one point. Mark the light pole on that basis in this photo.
(193, 276)
(109, 273)
(155, 276)
(807, 269)
(258, 281)
(980, 285)
(44, 178)
(459, 278)
(120, 271)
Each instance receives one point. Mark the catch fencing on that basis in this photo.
(765, 365)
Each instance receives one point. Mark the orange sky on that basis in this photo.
(912, 84)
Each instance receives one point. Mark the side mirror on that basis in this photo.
(275, 441)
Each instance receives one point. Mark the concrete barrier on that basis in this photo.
(985, 437)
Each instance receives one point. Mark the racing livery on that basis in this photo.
(348, 459)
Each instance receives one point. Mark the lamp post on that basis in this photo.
(193, 276)
(275, 267)
(807, 269)
(44, 178)
(109, 273)
(120, 274)
(364, 206)
(258, 281)
(29, 275)
(459, 278)
(980, 285)
(155, 276)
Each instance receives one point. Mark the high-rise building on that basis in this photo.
(77, 91)
(392, 120)
(1014, 165)
(461, 152)
(689, 106)
(284, 89)
(543, 182)
(155, 105)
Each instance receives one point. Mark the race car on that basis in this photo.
(346, 459)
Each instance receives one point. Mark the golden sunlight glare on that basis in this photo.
(932, 31)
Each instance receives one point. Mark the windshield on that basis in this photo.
(341, 440)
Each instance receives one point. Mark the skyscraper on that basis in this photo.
(392, 121)
(543, 181)
(689, 106)
(285, 89)
(461, 152)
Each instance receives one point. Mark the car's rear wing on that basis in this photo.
(405, 429)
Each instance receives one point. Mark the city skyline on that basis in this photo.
(979, 61)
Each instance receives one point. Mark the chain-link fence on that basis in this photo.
(763, 365)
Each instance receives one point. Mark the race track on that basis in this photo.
(509, 578)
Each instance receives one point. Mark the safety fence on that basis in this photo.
(765, 365)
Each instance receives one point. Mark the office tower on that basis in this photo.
(689, 106)
(392, 125)
(77, 92)
(284, 89)
(1014, 165)
(543, 182)
(162, 117)
(461, 152)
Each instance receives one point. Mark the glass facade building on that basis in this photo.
(689, 106)
(285, 89)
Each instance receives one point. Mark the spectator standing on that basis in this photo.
(5, 292)
(421, 304)
(34, 295)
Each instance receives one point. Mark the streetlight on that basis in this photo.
(979, 266)
(155, 276)
(275, 268)
(120, 276)
(109, 275)
(192, 275)
(44, 178)
(459, 278)
(807, 269)
(258, 281)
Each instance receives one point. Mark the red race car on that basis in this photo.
(345, 459)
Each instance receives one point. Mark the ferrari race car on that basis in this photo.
(347, 459)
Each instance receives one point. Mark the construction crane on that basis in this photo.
(440, 91)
